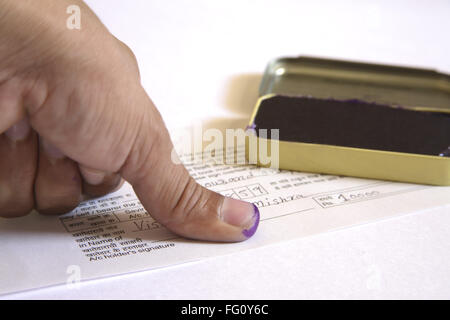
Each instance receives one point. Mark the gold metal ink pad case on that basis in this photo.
(357, 119)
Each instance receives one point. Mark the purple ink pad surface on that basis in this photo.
(355, 123)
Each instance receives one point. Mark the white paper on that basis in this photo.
(115, 235)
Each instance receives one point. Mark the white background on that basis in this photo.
(203, 60)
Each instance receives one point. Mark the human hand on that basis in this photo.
(74, 119)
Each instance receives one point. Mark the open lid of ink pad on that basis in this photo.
(357, 119)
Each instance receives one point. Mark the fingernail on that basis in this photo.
(92, 176)
(19, 131)
(52, 152)
(241, 214)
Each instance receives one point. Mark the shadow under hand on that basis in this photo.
(241, 97)
(242, 94)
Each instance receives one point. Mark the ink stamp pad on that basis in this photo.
(357, 119)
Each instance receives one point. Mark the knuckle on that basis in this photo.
(15, 210)
(55, 205)
(130, 54)
(194, 204)
(146, 154)
(111, 183)
(14, 204)
(54, 211)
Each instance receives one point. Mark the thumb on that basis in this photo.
(173, 197)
